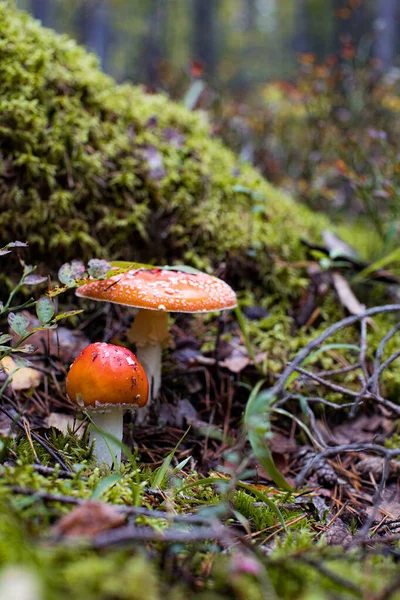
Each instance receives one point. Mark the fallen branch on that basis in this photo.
(129, 510)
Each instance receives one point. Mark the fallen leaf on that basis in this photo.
(389, 505)
(346, 295)
(23, 378)
(337, 247)
(178, 414)
(5, 426)
(373, 465)
(365, 428)
(89, 519)
(63, 422)
(235, 364)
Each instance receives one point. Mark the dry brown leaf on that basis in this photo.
(5, 427)
(390, 503)
(62, 422)
(373, 465)
(89, 519)
(346, 295)
(235, 364)
(23, 378)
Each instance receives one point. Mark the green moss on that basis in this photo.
(74, 570)
(91, 167)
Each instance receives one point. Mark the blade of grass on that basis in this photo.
(161, 472)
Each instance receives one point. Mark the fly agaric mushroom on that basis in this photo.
(105, 379)
(156, 292)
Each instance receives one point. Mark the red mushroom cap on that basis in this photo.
(164, 290)
(104, 375)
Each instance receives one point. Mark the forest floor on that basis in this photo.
(194, 510)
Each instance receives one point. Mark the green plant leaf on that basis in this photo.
(69, 272)
(26, 349)
(263, 454)
(180, 465)
(105, 484)
(182, 269)
(249, 347)
(392, 257)
(44, 309)
(70, 313)
(125, 265)
(98, 268)
(256, 422)
(161, 473)
(263, 498)
(18, 323)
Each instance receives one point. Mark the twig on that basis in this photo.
(340, 371)
(129, 534)
(378, 357)
(279, 387)
(328, 384)
(377, 499)
(388, 453)
(130, 510)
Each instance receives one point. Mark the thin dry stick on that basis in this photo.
(388, 453)
(129, 510)
(279, 387)
(130, 534)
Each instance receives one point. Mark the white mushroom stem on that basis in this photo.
(110, 422)
(149, 356)
(149, 331)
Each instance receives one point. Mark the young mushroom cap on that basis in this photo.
(105, 379)
(104, 376)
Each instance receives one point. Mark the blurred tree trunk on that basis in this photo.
(93, 23)
(388, 27)
(250, 14)
(154, 43)
(41, 9)
(350, 24)
(205, 15)
(302, 42)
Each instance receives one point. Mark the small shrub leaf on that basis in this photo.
(34, 279)
(71, 271)
(18, 323)
(98, 268)
(45, 309)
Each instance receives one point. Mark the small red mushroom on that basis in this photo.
(105, 379)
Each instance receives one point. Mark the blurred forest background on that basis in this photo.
(308, 91)
(240, 43)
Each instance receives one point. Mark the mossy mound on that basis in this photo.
(90, 168)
